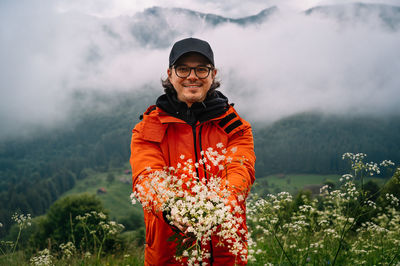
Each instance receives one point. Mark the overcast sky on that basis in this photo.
(289, 64)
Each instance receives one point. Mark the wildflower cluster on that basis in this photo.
(360, 167)
(44, 258)
(321, 230)
(22, 220)
(67, 250)
(87, 255)
(100, 230)
(356, 159)
(107, 227)
(197, 208)
(379, 239)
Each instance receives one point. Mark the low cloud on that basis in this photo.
(296, 63)
(291, 63)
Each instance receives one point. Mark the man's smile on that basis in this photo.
(192, 85)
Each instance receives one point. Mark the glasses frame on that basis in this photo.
(195, 72)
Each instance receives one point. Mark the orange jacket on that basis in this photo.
(158, 141)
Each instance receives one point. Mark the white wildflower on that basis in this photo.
(43, 258)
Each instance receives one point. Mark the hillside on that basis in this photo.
(314, 143)
(113, 188)
(158, 27)
(388, 15)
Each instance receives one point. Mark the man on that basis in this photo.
(190, 117)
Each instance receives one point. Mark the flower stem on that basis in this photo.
(283, 250)
(16, 241)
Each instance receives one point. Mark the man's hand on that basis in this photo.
(185, 228)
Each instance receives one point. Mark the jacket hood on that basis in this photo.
(213, 106)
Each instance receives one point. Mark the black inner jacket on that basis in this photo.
(213, 106)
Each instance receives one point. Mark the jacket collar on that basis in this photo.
(212, 107)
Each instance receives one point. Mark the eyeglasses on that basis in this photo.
(201, 72)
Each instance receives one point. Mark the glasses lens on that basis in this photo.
(182, 71)
(202, 72)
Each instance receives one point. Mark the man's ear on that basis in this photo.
(214, 72)
(169, 72)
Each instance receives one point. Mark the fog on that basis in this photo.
(290, 63)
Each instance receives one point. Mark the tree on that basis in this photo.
(60, 224)
(110, 178)
(133, 221)
(391, 188)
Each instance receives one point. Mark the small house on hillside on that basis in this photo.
(101, 191)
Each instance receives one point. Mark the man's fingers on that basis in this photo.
(179, 226)
(188, 239)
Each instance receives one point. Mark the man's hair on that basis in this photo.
(170, 90)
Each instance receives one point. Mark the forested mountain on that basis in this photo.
(158, 27)
(386, 14)
(314, 143)
(35, 171)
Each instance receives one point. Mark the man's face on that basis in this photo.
(191, 89)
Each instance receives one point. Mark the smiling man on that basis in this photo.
(189, 118)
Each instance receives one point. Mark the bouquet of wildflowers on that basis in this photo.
(196, 208)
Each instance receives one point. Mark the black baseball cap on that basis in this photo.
(190, 45)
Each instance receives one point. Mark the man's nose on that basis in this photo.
(192, 75)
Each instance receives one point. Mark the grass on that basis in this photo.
(132, 257)
(290, 183)
(293, 183)
(116, 197)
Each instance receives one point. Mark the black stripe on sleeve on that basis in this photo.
(232, 126)
(226, 119)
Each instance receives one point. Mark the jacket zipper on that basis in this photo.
(195, 149)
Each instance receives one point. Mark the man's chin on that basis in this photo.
(193, 98)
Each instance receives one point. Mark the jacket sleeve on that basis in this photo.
(146, 158)
(241, 172)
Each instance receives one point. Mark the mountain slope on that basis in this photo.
(387, 15)
(314, 143)
(158, 27)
